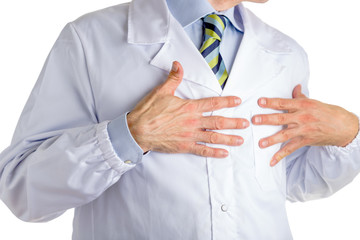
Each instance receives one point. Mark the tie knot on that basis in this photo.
(214, 26)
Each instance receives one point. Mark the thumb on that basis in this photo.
(297, 92)
(174, 79)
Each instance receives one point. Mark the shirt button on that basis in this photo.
(224, 208)
(128, 162)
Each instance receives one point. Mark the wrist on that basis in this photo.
(353, 124)
(136, 131)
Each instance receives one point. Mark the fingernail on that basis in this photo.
(239, 141)
(264, 143)
(257, 119)
(262, 101)
(273, 162)
(245, 124)
(237, 101)
(175, 67)
(224, 154)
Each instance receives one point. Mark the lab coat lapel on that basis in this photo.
(253, 67)
(256, 62)
(177, 46)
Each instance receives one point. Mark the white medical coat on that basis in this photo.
(99, 68)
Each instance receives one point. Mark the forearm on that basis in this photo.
(318, 172)
(39, 182)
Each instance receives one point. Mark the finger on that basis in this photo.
(297, 92)
(279, 137)
(275, 119)
(278, 103)
(216, 103)
(174, 79)
(217, 123)
(286, 150)
(205, 151)
(218, 138)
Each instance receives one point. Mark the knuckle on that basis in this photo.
(281, 118)
(281, 103)
(182, 147)
(191, 122)
(173, 77)
(213, 137)
(187, 135)
(204, 151)
(220, 123)
(302, 103)
(214, 102)
(189, 106)
(307, 103)
(287, 151)
(284, 134)
(307, 118)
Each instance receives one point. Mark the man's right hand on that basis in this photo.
(164, 123)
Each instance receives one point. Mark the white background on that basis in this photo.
(327, 29)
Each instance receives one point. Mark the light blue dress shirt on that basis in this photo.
(191, 20)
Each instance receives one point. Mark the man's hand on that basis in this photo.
(308, 123)
(164, 123)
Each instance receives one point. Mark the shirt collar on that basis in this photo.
(187, 12)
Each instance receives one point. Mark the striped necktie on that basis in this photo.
(214, 26)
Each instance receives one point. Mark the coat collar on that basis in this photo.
(256, 59)
(141, 12)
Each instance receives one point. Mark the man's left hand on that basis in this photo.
(307, 123)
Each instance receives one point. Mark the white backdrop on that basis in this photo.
(327, 29)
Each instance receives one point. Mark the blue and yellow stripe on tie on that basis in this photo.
(214, 26)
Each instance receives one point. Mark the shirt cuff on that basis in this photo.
(355, 144)
(123, 142)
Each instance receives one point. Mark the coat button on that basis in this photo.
(224, 208)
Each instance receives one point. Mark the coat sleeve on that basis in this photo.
(319, 171)
(60, 156)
